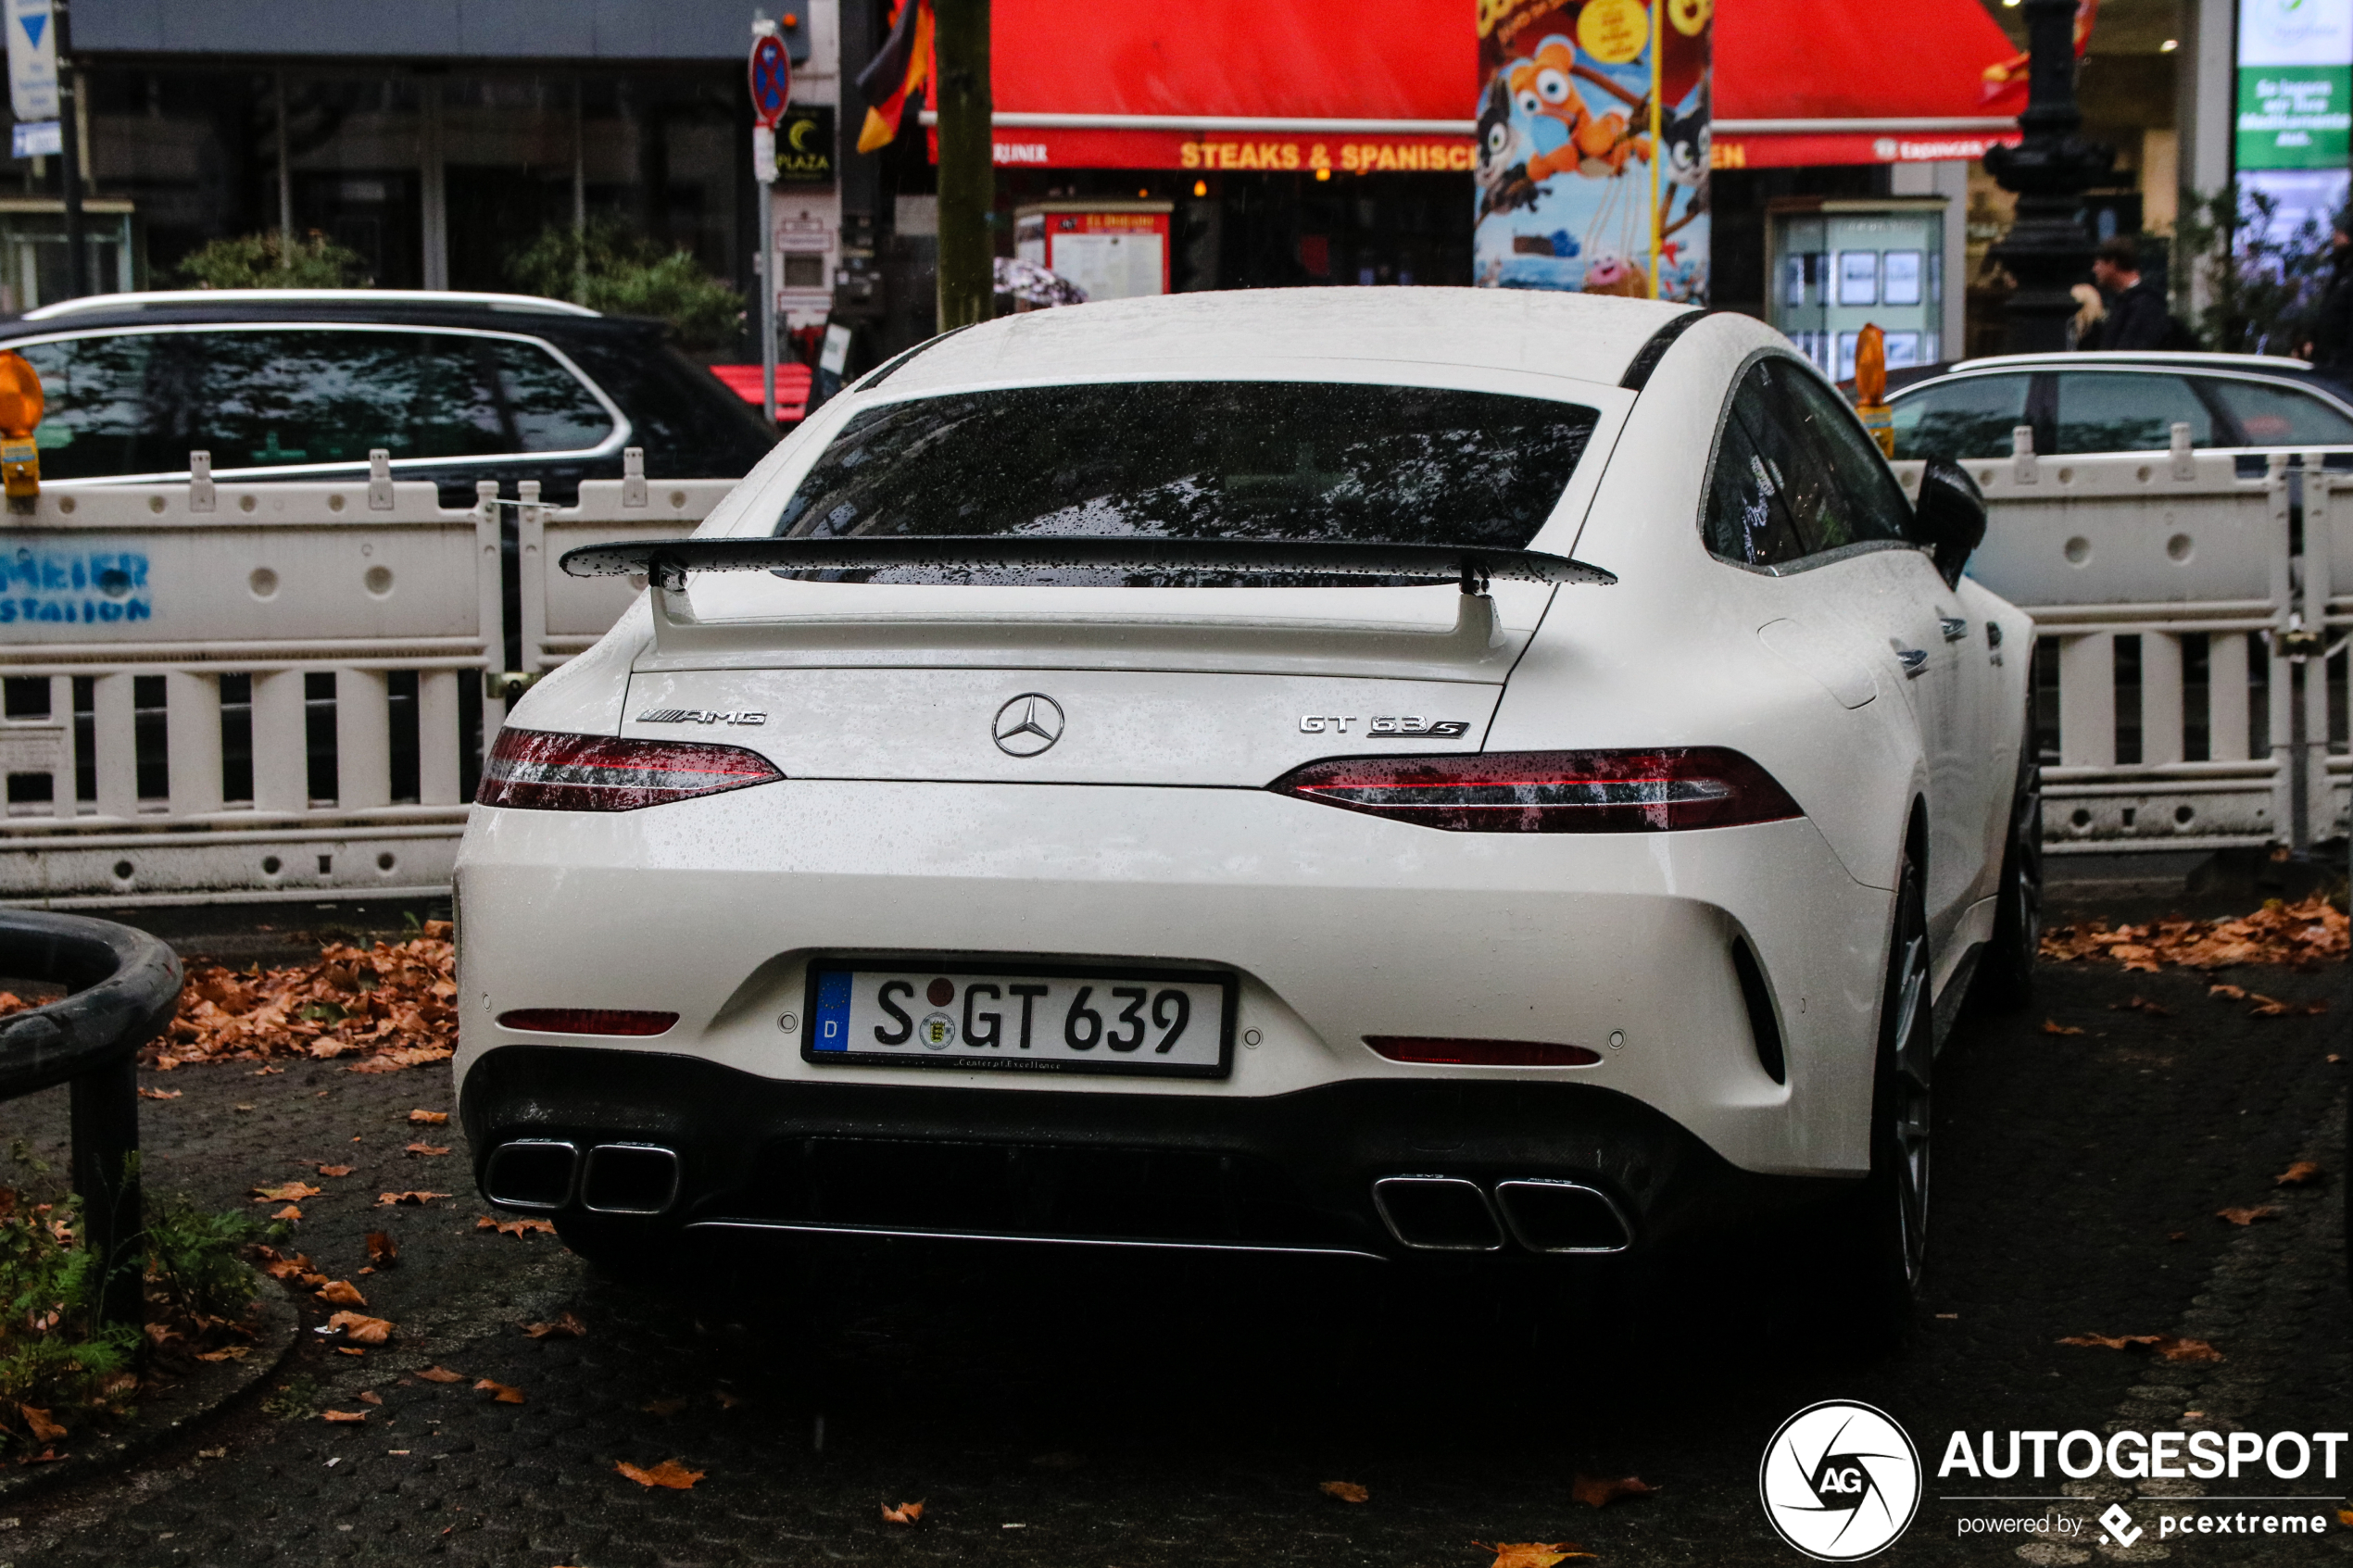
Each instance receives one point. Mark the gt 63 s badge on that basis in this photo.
(1840, 1481)
(1383, 724)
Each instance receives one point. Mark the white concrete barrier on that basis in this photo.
(277, 691)
(273, 691)
(2175, 599)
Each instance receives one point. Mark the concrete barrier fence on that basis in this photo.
(277, 691)
(282, 690)
(2189, 666)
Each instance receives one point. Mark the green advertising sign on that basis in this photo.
(2295, 116)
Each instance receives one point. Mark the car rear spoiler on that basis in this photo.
(665, 562)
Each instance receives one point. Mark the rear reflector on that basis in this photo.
(1480, 1053)
(558, 772)
(586, 1021)
(1657, 791)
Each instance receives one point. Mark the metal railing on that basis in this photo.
(122, 987)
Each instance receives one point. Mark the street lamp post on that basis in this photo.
(2046, 249)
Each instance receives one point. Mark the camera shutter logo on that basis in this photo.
(1840, 1481)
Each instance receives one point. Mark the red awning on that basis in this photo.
(1302, 84)
(1810, 81)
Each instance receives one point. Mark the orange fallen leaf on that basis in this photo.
(370, 1397)
(286, 1192)
(2304, 1173)
(162, 1094)
(290, 1211)
(2140, 1004)
(361, 1330)
(1531, 1554)
(231, 1353)
(2272, 1008)
(2228, 993)
(349, 1350)
(429, 1118)
(1600, 1491)
(669, 1473)
(566, 1326)
(44, 1429)
(2111, 1341)
(343, 1415)
(2172, 1347)
(1346, 1491)
(334, 1170)
(441, 1375)
(726, 1401)
(279, 1267)
(525, 1228)
(2344, 1517)
(409, 1199)
(382, 1251)
(341, 1293)
(500, 1393)
(2052, 1026)
(662, 1407)
(905, 1513)
(427, 1149)
(2247, 1216)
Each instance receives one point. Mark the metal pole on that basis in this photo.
(2046, 249)
(70, 149)
(1658, 69)
(579, 192)
(768, 283)
(286, 175)
(105, 1174)
(967, 164)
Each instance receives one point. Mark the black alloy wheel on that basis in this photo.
(1873, 1241)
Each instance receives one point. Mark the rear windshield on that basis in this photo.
(1272, 460)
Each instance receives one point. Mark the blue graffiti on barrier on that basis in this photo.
(75, 587)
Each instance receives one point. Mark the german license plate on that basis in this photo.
(1171, 1022)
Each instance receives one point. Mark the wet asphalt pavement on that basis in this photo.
(1084, 1413)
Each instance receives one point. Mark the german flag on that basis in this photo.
(896, 73)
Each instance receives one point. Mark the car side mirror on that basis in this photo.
(1949, 517)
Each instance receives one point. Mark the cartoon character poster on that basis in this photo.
(1591, 165)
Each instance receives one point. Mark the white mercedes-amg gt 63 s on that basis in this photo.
(1363, 771)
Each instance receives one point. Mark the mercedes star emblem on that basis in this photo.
(1028, 724)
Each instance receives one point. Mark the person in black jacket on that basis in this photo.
(2137, 318)
(2331, 348)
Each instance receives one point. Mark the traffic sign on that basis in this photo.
(771, 76)
(32, 59)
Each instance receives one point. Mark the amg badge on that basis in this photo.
(700, 715)
(1384, 724)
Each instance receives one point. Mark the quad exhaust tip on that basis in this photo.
(611, 1178)
(1438, 1214)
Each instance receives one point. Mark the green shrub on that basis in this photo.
(52, 1357)
(612, 268)
(265, 261)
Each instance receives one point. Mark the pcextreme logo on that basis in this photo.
(1840, 1481)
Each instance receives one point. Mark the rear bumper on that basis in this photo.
(1336, 926)
(1289, 1172)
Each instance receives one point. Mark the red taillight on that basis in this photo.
(1480, 1053)
(556, 772)
(1658, 791)
(586, 1021)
